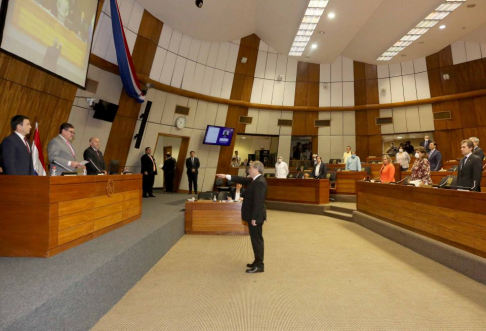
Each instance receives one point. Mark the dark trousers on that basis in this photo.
(192, 177)
(256, 237)
(148, 184)
(169, 182)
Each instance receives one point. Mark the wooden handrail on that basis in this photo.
(105, 65)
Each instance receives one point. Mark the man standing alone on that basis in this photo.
(149, 170)
(281, 168)
(169, 173)
(192, 165)
(253, 210)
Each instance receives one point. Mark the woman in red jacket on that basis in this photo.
(387, 172)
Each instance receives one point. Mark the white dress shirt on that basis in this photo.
(281, 170)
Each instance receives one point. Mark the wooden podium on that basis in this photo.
(311, 191)
(43, 216)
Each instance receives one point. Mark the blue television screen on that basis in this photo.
(218, 135)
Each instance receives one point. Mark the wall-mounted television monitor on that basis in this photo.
(54, 35)
(218, 135)
(105, 111)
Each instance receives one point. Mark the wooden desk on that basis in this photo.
(43, 216)
(437, 176)
(457, 218)
(207, 217)
(312, 191)
(346, 181)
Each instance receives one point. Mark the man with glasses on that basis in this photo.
(61, 152)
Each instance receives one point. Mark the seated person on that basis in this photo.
(387, 172)
(234, 163)
(301, 172)
(307, 176)
(353, 162)
(237, 192)
(421, 167)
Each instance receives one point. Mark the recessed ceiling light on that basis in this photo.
(331, 15)
(399, 137)
(442, 27)
(314, 46)
(403, 55)
(321, 32)
(471, 5)
(421, 42)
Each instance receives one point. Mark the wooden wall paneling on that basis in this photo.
(120, 139)
(238, 85)
(301, 94)
(480, 109)
(443, 145)
(150, 27)
(448, 86)
(299, 124)
(251, 41)
(359, 71)
(5, 61)
(315, 145)
(311, 130)
(435, 82)
(445, 57)
(68, 91)
(247, 88)
(9, 105)
(313, 95)
(361, 122)
(371, 71)
(18, 71)
(432, 61)
(455, 138)
(375, 146)
(29, 105)
(481, 134)
(373, 129)
(314, 72)
(471, 132)
(360, 97)
(439, 124)
(302, 71)
(37, 80)
(143, 55)
(362, 147)
(180, 168)
(372, 94)
(128, 107)
(470, 76)
(468, 114)
(455, 122)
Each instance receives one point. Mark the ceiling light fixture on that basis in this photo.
(442, 27)
(314, 46)
(312, 15)
(430, 21)
(331, 15)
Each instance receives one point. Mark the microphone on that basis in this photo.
(62, 166)
(399, 181)
(94, 165)
(473, 185)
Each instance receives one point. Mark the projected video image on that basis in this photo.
(53, 34)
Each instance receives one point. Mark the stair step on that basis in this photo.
(338, 215)
(341, 209)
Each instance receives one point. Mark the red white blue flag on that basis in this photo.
(37, 154)
(125, 63)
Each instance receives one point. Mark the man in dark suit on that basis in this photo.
(319, 171)
(435, 157)
(426, 144)
(169, 173)
(17, 155)
(192, 165)
(149, 170)
(93, 154)
(470, 168)
(477, 150)
(253, 210)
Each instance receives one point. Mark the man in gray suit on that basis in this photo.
(61, 152)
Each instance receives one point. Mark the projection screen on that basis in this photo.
(53, 34)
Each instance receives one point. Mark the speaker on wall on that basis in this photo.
(144, 116)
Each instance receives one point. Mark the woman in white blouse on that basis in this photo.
(403, 158)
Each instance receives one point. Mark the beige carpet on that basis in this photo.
(320, 274)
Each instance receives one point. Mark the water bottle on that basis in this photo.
(54, 171)
(84, 171)
(214, 199)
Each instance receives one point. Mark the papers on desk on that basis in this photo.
(83, 163)
(415, 182)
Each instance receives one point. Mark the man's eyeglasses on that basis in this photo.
(71, 132)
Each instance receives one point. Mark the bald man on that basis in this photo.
(93, 154)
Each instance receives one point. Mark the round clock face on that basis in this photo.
(180, 122)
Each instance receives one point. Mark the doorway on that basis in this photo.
(177, 146)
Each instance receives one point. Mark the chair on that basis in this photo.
(205, 196)
(223, 195)
(219, 185)
(454, 168)
(448, 181)
(290, 176)
(269, 175)
(331, 175)
(334, 161)
(367, 170)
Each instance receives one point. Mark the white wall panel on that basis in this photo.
(175, 41)
(213, 157)
(325, 73)
(135, 17)
(407, 68)
(337, 148)
(178, 72)
(202, 57)
(483, 50)
(213, 54)
(348, 94)
(271, 66)
(413, 119)
(325, 130)
(272, 50)
(227, 85)
(222, 55)
(217, 84)
(125, 8)
(426, 118)
(286, 130)
(348, 70)
(198, 78)
(131, 39)
(188, 75)
(324, 148)
(202, 106)
(284, 147)
(221, 116)
(169, 65)
(78, 118)
(257, 90)
(291, 75)
(387, 128)
(253, 113)
(281, 66)
(207, 80)
(336, 94)
(169, 109)
(324, 94)
(165, 36)
(351, 142)
(260, 65)
(420, 65)
(109, 88)
(383, 71)
(209, 178)
(211, 113)
(289, 94)
(423, 88)
(158, 64)
(104, 34)
(267, 92)
(395, 70)
(192, 104)
(459, 52)
(110, 55)
(336, 123)
(278, 93)
(384, 90)
(409, 88)
(263, 119)
(185, 46)
(473, 51)
(232, 57)
(397, 89)
(399, 120)
(337, 70)
(273, 127)
(194, 49)
(349, 123)
(263, 46)
(158, 106)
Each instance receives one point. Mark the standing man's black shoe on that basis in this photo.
(254, 270)
(152, 196)
(250, 265)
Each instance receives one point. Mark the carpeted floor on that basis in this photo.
(320, 274)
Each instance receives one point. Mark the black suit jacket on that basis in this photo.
(470, 174)
(253, 207)
(422, 143)
(96, 163)
(169, 167)
(322, 171)
(147, 165)
(435, 160)
(16, 158)
(479, 152)
(190, 166)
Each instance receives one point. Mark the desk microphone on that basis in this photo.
(473, 185)
(400, 181)
(440, 186)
